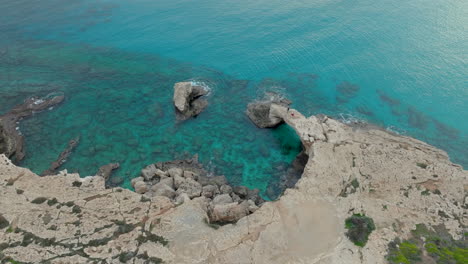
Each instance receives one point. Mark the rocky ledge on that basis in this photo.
(11, 139)
(184, 180)
(384, 184)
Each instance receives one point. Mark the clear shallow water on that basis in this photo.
(399, 65)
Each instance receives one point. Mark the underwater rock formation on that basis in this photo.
(265, 113)
(11, 139)
(188, 100)
(183, 180)
(62, 158)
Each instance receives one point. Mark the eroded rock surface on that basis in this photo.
(188, 100)
(11, 139)
(269, 111)
(397, 181)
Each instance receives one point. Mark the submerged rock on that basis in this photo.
(188, 100)
(268, 112)
(62, 158)
(11, 139)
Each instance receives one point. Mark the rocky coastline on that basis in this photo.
(11, 139)
(398, 190)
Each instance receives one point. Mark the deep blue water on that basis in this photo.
(399, 64)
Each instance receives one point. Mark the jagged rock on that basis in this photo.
(106, 170)
(252, 206)
(268, 112)
(235, 197)
(216, 180)
(161, 189)
(63, 157)
(168, 181)
(178, 180)
(210, 190)
(190, 175)
(222, 199)
(140, 187)
(175, 172)
(191, 187)
(182, 198)
(228, 213)
(188, 101)
(11, 140)
(135, 180)
(225, 189)
(149, 172)
(242, 191)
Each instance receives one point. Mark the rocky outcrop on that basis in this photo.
(397, 181)
(268, 112)
(188, 100)
(106, 170)
(11, 139)
(62, 158)
(183, 180)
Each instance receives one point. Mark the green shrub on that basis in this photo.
(359, 228)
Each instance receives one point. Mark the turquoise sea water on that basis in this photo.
(401, 65)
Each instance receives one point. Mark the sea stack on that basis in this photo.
(188, 100)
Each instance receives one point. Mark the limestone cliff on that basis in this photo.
(396, 180)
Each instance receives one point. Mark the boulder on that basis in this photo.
(182, 198)
(175, 172)
(135, 180)
(178, 180)
(191, 187)
(161, 189)
(225, 189)
(210, 191)
(149, 172)
(222, 199)
(140, 187)
(188, 100)
(242, 191)
(228, 213)
(168, 181)
(190, 175)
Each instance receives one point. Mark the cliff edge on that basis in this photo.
(398, 181)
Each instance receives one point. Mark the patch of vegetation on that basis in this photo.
(425, 192)
(144, 199)
(355, 183)
(76, 209)
(39, 200)
(126, 256)
(351, 187)
(70, 204)
(3, 222)
(359, 228)
(52, 201)
(123, 227)
(77, 184)
(148, 236)
(421, 165)
(19, 191)
(438, 245)
(148, 259)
